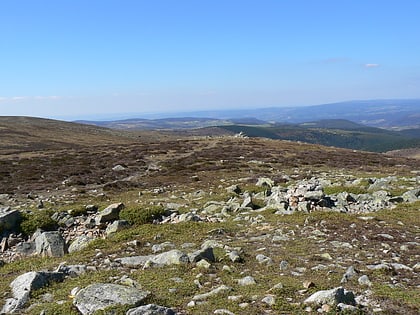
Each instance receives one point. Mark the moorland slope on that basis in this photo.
(203, 225)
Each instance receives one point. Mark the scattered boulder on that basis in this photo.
(219, 290)
(172, 257)
(248, 280)
(23, 285)
(206, 253)
(9, 219)
(109, 214)
(265, 182)
(50, 244)
(134, 261)
(332, 297)
(80, 243)
(116, 226)
(99, 296)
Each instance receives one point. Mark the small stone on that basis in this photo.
(350, 273)
(223, 311)
(226, 268)
(364, 280)
(234, 256)
(269, 300)
(326, 308)
(262, 259)
(308, 284)
(248, 280)
(284, 265)
(150, 309)
(203, 264)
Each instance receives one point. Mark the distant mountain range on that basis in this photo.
(378, 125)
(388, 114)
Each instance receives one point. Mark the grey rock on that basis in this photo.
(99, 296)
(189, 217)
(364, 280)
(280, 238)
(63, 219)
(72, 270)
(50, 244)
(206, 253)
(9, 219)
(134, 261)
(247, 203)
(80, 243)
(350, 273)
(398, 267)
(204, 264)
(26, 248)
(161, 247)
(265, 182)
(23, 285)
(314, 195)
(385, 267)
(172, 257)
(235, 189)
(219, 290)
(222, 311)
(234, 256)
(411, 195)
(332, 297)
(109, 214)
(270, 300)
(151, 309)
(262, 259)
(117, 226)
(248, 280)
(119, 168)
(284, 265)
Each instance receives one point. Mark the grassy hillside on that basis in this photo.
(336, 133)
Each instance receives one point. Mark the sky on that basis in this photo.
(95, 58)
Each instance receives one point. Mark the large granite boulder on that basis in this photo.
(23, 285)
(9, 219)
(109, 214)
(50, 244)
(99, 296)
(80, 243)
(332, 297)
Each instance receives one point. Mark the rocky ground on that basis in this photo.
(220, 225)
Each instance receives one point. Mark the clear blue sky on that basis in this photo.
(86, 57)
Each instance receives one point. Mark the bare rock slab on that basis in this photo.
(99, 296)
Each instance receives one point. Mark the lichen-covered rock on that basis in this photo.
(23, 285)
(50, 244)
(172, 257)
(99, 296)
(80, 243)
(109, 214)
